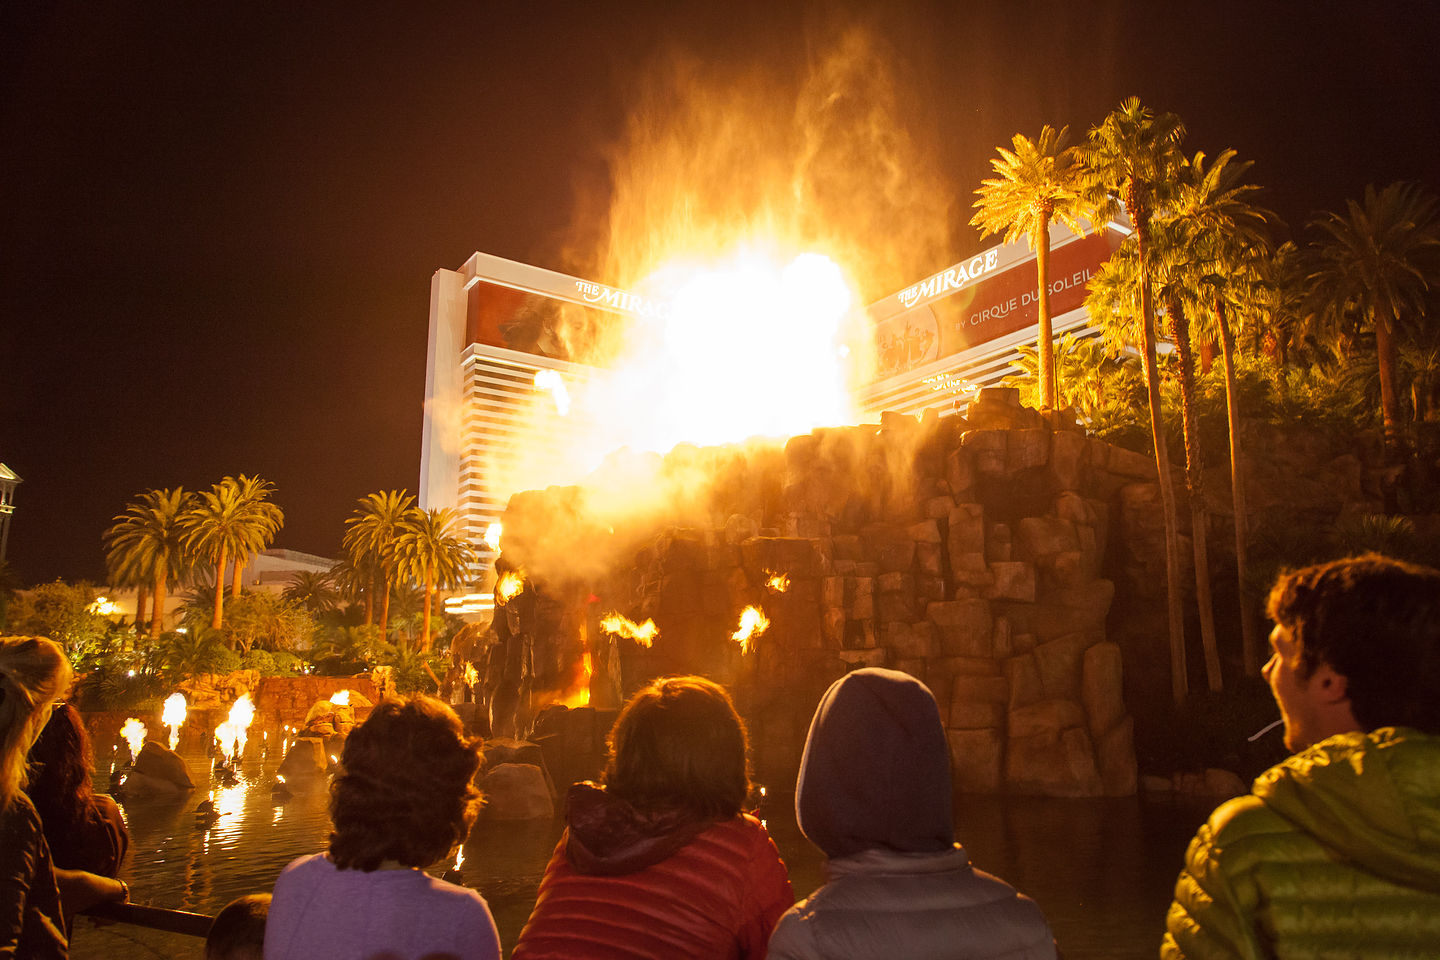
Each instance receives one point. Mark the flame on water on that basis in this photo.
(510, 586)
(642, 633)
(753, 623)
(778, 582)
(173, 715)
(134, 733)
(231, 735)
(552, 383)
(341, 698)
(492, 536)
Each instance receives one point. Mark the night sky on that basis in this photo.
(219, 221)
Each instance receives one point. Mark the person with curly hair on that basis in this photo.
(660, 860)
(34, 673)
(403, 800)
(85, 829)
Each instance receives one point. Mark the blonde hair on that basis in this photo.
(33, 673)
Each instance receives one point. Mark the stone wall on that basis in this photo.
(970, 552)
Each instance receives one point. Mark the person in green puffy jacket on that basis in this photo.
(1336, 851)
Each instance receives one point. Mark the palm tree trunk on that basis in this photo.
(1045, 342)
(219, 589)
(1195, 491)
(370, 602)
(429, 586)
(1249, 636)
(239, 571)
(385, 604)
(1179, 680)
(157, 617)
(140, 595)
(1387, 355)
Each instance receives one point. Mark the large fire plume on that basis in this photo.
(133, 732)
(756, 208)
(753, 623)
(231, 735)
(642, 633)
(173, 716)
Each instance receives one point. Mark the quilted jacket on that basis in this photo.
(629, 886)
(1335, 853)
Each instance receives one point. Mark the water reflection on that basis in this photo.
(1102, 870)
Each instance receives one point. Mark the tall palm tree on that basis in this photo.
(219, 524)
(1038, 182)
(431, 550)
(370, 539)
(313, 590)
(256, 494)
(1227, 238)
(1374, 266)
(355, 584)
(146, 543)
(1132, 157)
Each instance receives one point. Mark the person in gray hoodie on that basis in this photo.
(874, 794)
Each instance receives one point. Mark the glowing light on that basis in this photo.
(509, 587)
(493, 534)
(231, 735)
(104, 606)
(753, 623)
(551, 382)
(642, 633)
(777, 582)
(468, 675)
(459, 858)
(581, 696)
(173, 716)
(341, 698)
(134, 733)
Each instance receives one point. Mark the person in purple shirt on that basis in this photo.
(402, 801)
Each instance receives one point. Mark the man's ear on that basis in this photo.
(1331, 687)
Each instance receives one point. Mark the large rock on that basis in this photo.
(1068, 453)
(795, 556)
(1026, 448)
(1014, 580)
(967, 529)
(965, 627)
(1023, 676)
(162, 763)
(1115, 757)
(1053, 764)
(307, 757)
(1059, 664)
(975, 759)
(909, 641)
(517, 791)
(1039, 537)
(1102, 686)
(1048, 717)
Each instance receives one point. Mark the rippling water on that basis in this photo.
(1102, 870)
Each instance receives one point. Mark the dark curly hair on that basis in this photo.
(1376, 622)
(61, 760)
(405, 790)
(679, 744)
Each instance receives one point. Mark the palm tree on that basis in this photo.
(146, 544)
(313, 590)
(1038, 182)
(1132, 157)
(355, 584)
(370, 539)
(1226, 234)
(256, 495)
(222, 523)
(431, 551)
(1374, 266)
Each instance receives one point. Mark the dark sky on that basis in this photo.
(218, 222)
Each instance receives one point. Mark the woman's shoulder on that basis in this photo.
(303, 869)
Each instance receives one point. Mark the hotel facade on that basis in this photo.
(489, 319)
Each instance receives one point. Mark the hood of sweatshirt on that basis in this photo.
(606, 836)
(1373, 798)
(876, 768)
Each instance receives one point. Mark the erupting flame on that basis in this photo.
(231, 735)
(509, 587)
(134, 733)
(492, 533)
(777, 582)
(753, 623)
(459, 858)
(642, 633)
(581, 696)
(341, 698)
(551, 382)
(469, 676)
(173, 715)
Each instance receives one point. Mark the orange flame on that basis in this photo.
(551, 382)
(642, 633)
(230, 736)
(753, 623)
(581, 696)
(492, 536)
(134, 733)
(510, 586)
(173, 715)
(778, 582)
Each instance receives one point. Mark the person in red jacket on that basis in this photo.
(660, 860)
